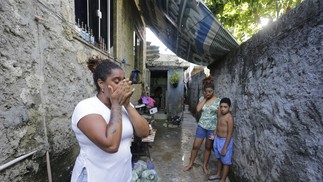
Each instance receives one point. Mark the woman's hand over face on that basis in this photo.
(130, 92)
(208, 93)
(122, 92)
(206, 96)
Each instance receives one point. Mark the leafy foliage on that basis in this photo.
(174, 79)
(244, 18)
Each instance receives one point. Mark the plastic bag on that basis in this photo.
(139, 167)
(149, 175)
(134, 177)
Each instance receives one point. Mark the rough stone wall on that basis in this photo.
(43, 76)
(275, 81)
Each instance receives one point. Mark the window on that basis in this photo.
(96, 16)
(137, 51)
(138, 37)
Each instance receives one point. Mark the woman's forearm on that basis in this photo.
(114, 129)
(106, 136)
(139, 123)
(200, 105)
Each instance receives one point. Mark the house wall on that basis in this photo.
(123, 39)
(172, 97)
(275, 82)
(43, 76)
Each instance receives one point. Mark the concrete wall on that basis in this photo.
(275, 81)
(43, 76)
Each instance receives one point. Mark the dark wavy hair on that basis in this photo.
(226, 100)
(101, 69)
(208, 82)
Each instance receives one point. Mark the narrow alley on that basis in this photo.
(267, 61)
(171, 150)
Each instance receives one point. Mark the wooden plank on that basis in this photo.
(151, 137)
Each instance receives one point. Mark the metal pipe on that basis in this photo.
(88, 13)
(16, 160)
(49, 171)
(108, 23)
(99, 23)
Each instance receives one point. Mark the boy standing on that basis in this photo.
(223, 142)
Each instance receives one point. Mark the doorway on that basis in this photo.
(158, 84)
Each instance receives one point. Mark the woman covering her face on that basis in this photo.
(104, 125)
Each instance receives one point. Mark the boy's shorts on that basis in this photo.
(218, 145)
(203, 133)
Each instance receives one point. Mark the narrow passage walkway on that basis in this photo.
(171, 151)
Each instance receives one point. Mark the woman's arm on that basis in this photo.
(105, 136)
(139, 123)
(200, 105)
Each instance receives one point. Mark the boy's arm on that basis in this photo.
(218, 118)
(229, 134)
(217, 123)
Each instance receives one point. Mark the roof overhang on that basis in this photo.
(166, 60)
(189, 29)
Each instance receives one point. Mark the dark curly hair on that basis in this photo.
(226, 100)
(101, 69)
(207, 82)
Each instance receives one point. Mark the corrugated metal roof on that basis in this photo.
(189, 29)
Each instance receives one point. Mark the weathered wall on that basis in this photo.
(275, 81)
(123, 39)
(43, 76)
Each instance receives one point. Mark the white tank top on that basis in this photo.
(100, 165)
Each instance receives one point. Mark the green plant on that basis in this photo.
(244, 18)
(174, 79)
